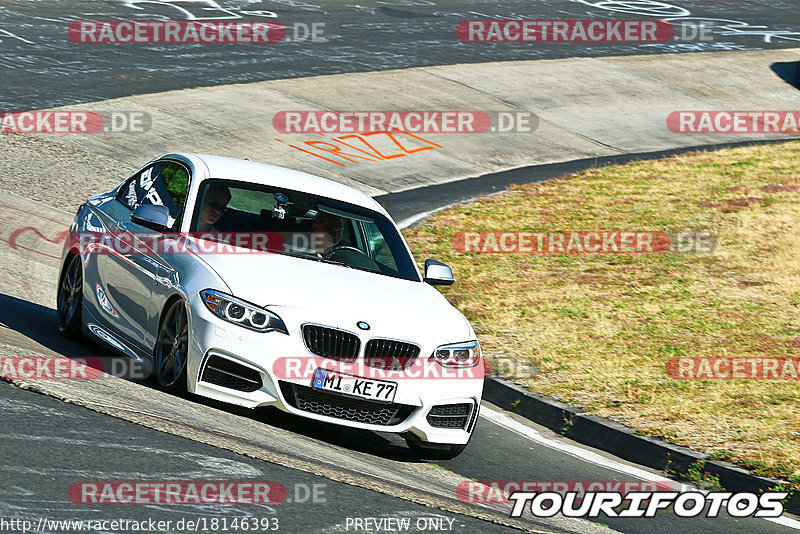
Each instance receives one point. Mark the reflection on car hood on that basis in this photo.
(409, 309)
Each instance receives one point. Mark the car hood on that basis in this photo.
(311, 291)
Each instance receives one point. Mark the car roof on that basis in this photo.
(272, 175)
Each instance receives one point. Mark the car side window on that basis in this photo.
(134, 191)
(174, 181)
(378, 249)
(348, 235)
(161, 184)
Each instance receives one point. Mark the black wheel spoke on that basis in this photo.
(69, 297)
(172, 346)
(168, 358)
(169, 332)
(66, 285)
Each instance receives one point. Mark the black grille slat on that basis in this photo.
(365, 411)
(393, 354)
(331, 343)
(229, 374)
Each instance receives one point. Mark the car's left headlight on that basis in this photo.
(238, 311)
(466, 354)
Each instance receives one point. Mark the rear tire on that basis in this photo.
(69, 300)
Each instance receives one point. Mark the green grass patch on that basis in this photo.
(603, 326)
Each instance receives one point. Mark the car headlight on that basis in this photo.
(243, 313)
(466, 354)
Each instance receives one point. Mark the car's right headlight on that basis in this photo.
(466, 354)
(243, 313)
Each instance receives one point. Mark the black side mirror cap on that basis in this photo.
(151, 216)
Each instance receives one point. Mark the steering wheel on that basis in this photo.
(336, 248)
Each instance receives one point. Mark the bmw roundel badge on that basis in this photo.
(362, 325)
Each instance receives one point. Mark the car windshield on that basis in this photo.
(311, 227)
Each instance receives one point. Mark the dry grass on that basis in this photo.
(600, 328)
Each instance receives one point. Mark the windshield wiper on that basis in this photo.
(301, 255)
(334, 262)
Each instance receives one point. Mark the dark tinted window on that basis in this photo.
(134, 191)
(162, 184)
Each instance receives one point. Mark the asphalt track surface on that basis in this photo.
(47, 445)
(42, 68)
(81, 445)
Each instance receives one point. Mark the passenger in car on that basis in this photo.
(214, 205)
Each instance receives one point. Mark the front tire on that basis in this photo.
(69, 300)
(172, 348)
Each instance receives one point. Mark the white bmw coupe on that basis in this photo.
(258, 285)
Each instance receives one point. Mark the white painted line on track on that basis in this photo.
(408, 221)
(525, 431)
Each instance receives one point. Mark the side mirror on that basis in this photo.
(438, 274)
(151, 216)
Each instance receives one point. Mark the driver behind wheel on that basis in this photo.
(326, 231)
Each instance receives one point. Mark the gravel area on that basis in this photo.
(46, 170)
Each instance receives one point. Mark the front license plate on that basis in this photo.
(365, 388)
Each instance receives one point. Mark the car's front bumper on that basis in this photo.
(211, 337)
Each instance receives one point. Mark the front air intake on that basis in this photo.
(450, 415)
(229, 374)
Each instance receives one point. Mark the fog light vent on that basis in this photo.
(449, 415)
